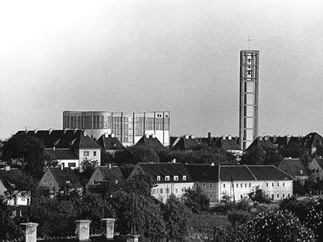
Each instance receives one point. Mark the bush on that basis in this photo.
(259, 195)
(238, 217)
(278, 226)
(196, 200)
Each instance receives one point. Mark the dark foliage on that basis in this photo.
(196, 200)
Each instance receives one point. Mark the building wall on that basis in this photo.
(70, 163)
(316, 170)
(210, 189)
(90, 154)
(238, 190)
(128, 127)
(162, 191)
(49, 181)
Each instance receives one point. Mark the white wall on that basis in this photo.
(163, 190)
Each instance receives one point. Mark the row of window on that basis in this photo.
(167, 190)
(87, 153)
(167, 178)
(246, 185)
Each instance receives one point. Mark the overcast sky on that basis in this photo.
(143, 55)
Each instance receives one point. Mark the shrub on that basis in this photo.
(238, 217)
(258, 195)
(278, 226)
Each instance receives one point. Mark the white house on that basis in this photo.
(170, 178)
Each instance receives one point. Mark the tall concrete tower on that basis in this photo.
(249, 97)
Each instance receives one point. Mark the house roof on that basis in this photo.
(166, 169)
(227, 144)
(67, 138)
(63, 175)
(61, 154)
(236, 172)
(110, 143)
(263, 143)
(268, 172)
(112, 171)
(12, 178)
(150, 142)
(312, 139)
(293, 166)
(203, 172)
(320, 162)
(186, 143)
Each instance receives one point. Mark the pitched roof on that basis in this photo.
(150, 142)
(66, 138)
(293, 166)
(263, 143)
(313, 139)
(112, 171)
(166, 169)
(110, 143)
(227, 144)
(235, 172)
(186, 143)
(268, 172)
(61, 154)
(63, 175)
(203, 172)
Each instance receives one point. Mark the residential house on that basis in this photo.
(150, 142)
(237, 181)
(295, 168)
(102, 173)
(68, 147)
(264, 143)
(185, 143)
(170, 178)
(229, 145)
(14, 182)
(56, 179)
(316, 169)
(110, 143)
(312, 141)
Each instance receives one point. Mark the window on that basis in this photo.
(210, 195)
(283, 184)
(85, 153)
(94, 153)
(167, 190)
(272, 184)
(204, 185)
(176, 190)
(166, 178)
(51, 184)
(223, 185)
(237, 185)
(277, 195)
(184, 178)
(72, 164)
(161, 190)
(283, 195)
(277, 184)
(245, 185)
(175, 178)
(266, 184)
(211, 185)
(241, 185)
(272, 196)
(158, 178)
(249, 184)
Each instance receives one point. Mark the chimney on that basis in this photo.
(147, 135)
(30, 231)
(186, 136)
(50, 131)
(109, 165)
(229, 137)
(192, 137)
(82, 230)
(132, 238)
(7, 168)
(209, 137)
(174, 160)
(108, 229)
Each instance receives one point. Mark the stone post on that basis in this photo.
(30, 231)
(108, 228)
(82, 230)
(132, 237)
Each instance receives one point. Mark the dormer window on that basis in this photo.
(158, 178)
(184, 178)
(175, 178)
(167, 178)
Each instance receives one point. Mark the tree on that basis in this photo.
(176, 218)
(9, 229)
(196, 200)
(28, 151)
(255, 156)
(292, 149)
(86, 170)
(278, 226)
(259, 195)
(140, 184)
